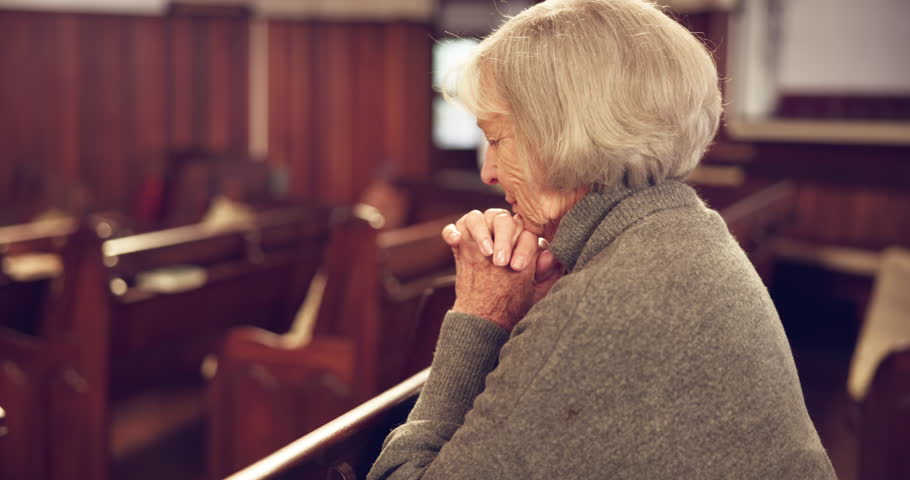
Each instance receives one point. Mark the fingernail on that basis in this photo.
(500, 259)
(454, 234)
(487, 247)
(519, 262)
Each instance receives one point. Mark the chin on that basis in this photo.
(530, 225)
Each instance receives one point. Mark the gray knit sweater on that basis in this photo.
(659, 356)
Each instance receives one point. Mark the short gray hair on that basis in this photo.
(601, 91)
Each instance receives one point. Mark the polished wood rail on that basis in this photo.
(313, 445)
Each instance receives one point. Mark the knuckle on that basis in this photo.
(503, 220)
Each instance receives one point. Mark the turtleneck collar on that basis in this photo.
(601, 215)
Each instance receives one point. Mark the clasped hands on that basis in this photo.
(501, 269)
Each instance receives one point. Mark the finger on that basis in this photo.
(491, 213)
(480, 231)
(547, 266)
(525, 250)
(504, 236)
(521, 227)
(451, 235)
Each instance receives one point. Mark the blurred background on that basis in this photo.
(172, 172)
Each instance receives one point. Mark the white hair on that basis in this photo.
(600, 91)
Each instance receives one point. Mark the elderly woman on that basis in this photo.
(657, 353)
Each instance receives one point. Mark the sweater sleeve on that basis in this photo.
(480, 405)
(467, 350)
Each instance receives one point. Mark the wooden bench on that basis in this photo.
(28, 262)
(879, 379)
(347, 446)
(28, 255)
(110, 337)
(270, 389)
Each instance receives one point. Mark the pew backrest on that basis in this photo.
(345, 447)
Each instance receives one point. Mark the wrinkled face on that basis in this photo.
(539, 207)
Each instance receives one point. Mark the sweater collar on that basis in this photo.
(601, 215)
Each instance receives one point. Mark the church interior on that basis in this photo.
(220, 222)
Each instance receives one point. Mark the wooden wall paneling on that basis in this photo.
(98, 100)
(279, 65)
(126, 158)
(149, 68)
(90, 89)
(112, 134)
(849, 195)
(855, 216)
(820, 216)
(337, 115)
(181, 82)
(102, 111)
(304, 127)
(292, 91)
(20, 171)
(345, 98)
(320, 103)
(199, 99)
(67, 138)
(397, 95)
(419, 133)
(239, 125)
(217, 87)
(368, 89)
(7, 67)
(39, 114)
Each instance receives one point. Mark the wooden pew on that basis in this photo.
(254, 275)
(107, 339)
(879, 378)
(27, 265)
(347, 446)
(269, 390)
(24, 366)
(884, 424)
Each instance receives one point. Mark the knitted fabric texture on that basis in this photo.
(659, 356)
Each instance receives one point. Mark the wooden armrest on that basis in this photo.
(244, 345)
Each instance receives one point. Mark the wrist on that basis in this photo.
(498, 318)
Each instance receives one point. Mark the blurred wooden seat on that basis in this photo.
(347, 446)
(880, 374)
(883, 432)
(177, 290)
(25, 285)
(28, 263)
(268, 390)
(108, 337)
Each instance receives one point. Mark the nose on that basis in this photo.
(488, 173)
